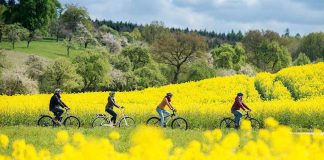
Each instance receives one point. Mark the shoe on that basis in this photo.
(107, 125)
(164, 126)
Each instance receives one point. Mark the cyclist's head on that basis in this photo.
(240, 94)
(57, 91)
(112, 93)
(169, 95)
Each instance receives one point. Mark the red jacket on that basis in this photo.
(238, 103)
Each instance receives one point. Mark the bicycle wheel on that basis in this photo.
(153, 121)
(99, 122)
(179, 123)
(227, 123)
(45, 121)
(255, 124)
(126, 122)
(72, 122)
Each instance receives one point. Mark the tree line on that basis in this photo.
(125, 56)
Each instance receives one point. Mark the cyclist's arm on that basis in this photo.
(245, 106)
(169, 104)
(114, 103)
(61, 103)
(241, 104)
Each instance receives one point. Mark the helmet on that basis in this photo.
(112, 93)
(240, 94)
(169, 94)
(57, 90)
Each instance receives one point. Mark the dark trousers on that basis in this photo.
(57, 112)
(113, 114)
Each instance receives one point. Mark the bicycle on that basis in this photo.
(177, 122)
(102, 120)
(69, 120)
(229, 122)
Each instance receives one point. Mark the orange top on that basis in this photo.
(164, 103)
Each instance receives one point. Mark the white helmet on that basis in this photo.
(57, 90)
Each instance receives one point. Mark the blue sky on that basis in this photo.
(300, 16)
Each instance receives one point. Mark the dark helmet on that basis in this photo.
(240, 94)
(169, 94)
(57, 90)
(112, 93)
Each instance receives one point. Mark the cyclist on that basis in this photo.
(56, 103)
(238, 103)
(166, 101)
(110, 105)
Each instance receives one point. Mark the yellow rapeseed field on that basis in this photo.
(294, 96)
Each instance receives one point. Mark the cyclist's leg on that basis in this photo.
(237, 118)
(58, 112)
(113, 114)
(166, 113)
(160, 111)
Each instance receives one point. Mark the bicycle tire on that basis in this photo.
(126, 122)
(255, 124)
(45, 121)
(179, 123)
(72, 122)
(99, 122)
(227, 123)
(154, 121)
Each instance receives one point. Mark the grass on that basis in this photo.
(44, 138)
(45, 48)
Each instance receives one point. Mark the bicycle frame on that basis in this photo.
(167, 120)
(247, 115)
(107, 118)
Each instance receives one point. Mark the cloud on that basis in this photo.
(218, 15)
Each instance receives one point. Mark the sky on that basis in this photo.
(300, 16)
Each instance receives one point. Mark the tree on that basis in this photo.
(2, 24)
(302, 59)
(56, 25)
(228, 56)
(153, 31)
(84, 36)
(69, 44)
(111, 42)
(35, 14)
(251, 41)
(223, 56)
(72, 18)
(272, 57)
(287, 32)
(3, 2)
(35, 67)
(105, 29)
(149, 76)
(15, 32)
(312, 46)
(199, 70)
(93, 68)
(61, 74)
(121, 62)
(178, 49)
(10, 13)
(138, 56)
(136, 34)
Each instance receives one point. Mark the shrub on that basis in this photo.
(17, 82)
